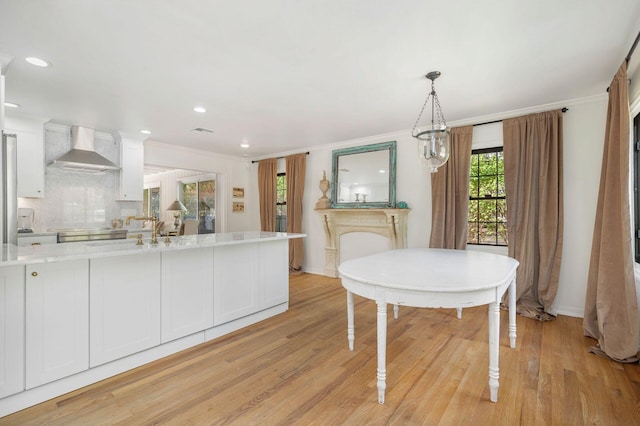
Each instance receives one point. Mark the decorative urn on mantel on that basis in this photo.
(324, 202)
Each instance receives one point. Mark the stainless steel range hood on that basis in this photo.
(83, 156)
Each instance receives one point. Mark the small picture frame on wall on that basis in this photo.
(238, 206)
(238, 192)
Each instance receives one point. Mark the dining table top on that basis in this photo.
(433, 270)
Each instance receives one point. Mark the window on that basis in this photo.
(636, 180)
(281, 202)
(487, 202)
(151, 202)
(199, 197)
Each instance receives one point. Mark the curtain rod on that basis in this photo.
(564, 109)
(633, 47)
(255, 161)
(628, 57)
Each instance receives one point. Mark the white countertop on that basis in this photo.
(13, 255)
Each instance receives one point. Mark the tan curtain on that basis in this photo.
(296, 169)
(611, 307)
(533, 184)
(450, 194)
(267, 175)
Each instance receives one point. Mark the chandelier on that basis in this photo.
(433, 143)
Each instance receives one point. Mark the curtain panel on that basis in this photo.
(611, 307)
(450, 194)
(296, 169)
(534, 192)
(267, 175)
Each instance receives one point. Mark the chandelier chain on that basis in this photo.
(439, 114)
(439, 109)
(420, 115)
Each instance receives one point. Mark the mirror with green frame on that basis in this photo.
(364, 176)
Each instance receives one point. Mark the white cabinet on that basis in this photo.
(11, 330)
(57, 320)
(249, 278)
(187, 292)
(236, 277)
(30, 240)
(131, 170)
(274, 272)
(31, 158)
(124, 305)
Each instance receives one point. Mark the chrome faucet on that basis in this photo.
(154, 222)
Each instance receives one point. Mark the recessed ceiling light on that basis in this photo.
(145, 132)
(381, 171)
(199, 109)
(37, 62)
(11, 105)
(244, 145)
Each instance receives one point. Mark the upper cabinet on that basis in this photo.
(131, 170)
(31, 159)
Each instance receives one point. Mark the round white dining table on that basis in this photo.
(432, 278)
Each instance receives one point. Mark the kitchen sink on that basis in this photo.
(121, 242)
(67, 235)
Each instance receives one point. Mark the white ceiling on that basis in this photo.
(286, 75)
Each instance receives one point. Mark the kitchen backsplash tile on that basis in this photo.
(76, 199)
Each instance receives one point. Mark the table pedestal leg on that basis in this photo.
(396, 310)
(382, 350)
(512, 314)
(459, 313)
(494, 349)
(351, 334)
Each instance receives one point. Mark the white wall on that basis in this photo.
(584, 126)
(230, 172)
(168, 184)
(413, 186)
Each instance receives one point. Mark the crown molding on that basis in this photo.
(464, 122)
(162, 145)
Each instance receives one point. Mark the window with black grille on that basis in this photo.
(487, 198)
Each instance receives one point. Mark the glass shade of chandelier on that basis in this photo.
(433, 143)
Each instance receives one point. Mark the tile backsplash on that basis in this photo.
(77, 199)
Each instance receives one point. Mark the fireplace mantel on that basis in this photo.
(390, 223)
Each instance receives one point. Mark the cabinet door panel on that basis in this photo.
(11, 330)
(31, 163)
(131, 170)
(125, 306)
(274, 272)
(57, 320)
(187, 292)
(236, 274)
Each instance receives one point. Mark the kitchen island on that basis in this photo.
(74, 314)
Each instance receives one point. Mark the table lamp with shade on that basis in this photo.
(177, 207)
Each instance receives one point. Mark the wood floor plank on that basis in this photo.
(296, 368)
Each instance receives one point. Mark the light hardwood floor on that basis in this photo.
(296, 369)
